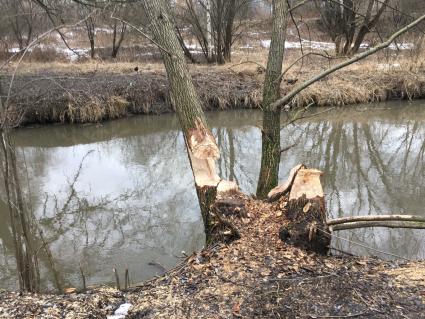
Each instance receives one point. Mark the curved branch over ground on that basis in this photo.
(387, 224)
(288, 97)
(376, 218)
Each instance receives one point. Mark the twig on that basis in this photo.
(387, 224)
(339, 316)
(117, 279)
(83, 277)
(288, 148)
(342, 220)
(126, 280)
(362, 245)
(143, 34)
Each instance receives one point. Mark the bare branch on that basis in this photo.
(287, 98)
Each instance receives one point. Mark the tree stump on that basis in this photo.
(306, 213)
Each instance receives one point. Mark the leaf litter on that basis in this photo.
(256, 276)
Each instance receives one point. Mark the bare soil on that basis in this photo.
(256, 276)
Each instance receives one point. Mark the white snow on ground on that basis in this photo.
(305, 43)
(14, 50)
(318, 45)
(72, 56)
(193, 46)
(387, 66)
(246, 46)
(105, 30)
(402, 46)
(121, 312)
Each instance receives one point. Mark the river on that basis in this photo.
(120, 194)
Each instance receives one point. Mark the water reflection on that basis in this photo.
(134, 204)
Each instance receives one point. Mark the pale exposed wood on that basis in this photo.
(387, 224)
(226, 186)
(204, 171)
(284, 188)
(376, 218)
(307, 182)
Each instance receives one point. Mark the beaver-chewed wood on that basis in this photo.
(226, 213)
(305, 224)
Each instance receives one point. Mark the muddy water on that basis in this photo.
(130, 197)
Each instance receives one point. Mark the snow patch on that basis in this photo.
(304, 43)
(318, 45)
(388, 66)
(121, 312)
(105, 30)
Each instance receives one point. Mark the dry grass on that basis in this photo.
(94, 91)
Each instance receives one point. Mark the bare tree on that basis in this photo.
(90, 26)
(20, 17)
(348, 22)
(118, 31)
(216, 24)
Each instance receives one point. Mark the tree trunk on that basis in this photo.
(184, 47)
(209, 30)
(91, 31)
(367, 25)
(200, 143)
(306, 213)
(270, 154)
(219, 32)
(228, 36)
(116, 44)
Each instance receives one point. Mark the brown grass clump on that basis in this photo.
(97, 91)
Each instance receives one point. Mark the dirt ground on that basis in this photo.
(256, 276)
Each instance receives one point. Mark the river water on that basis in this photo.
(120, 194)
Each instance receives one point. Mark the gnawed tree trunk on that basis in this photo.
(305, 211)
(270, 153)
(200, 143)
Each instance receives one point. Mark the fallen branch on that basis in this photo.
(375, 218)
(387, 224)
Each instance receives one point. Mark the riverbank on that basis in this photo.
(256, 276)
(87, 93)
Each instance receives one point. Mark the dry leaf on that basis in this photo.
(70, 290)
(236, 308)
(307, 207)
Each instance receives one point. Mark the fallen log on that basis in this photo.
(376, 218)
(306, 213)
(387, 224)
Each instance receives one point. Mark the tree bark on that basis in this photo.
(219, 32)
(116, 43)
(386, 224)
(270, 153)
(367, 25)
(228, 35)
(209, 30)
(306, 213)
(200, 143)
